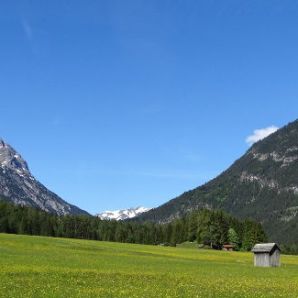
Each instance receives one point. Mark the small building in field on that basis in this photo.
(228, 247)
(266, 255)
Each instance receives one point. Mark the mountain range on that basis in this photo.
(122, 214)
(17, 185)
(262, 184)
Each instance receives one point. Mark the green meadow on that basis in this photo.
(56, 267)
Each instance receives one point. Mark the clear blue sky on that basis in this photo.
(124, 103)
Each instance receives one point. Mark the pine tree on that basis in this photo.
(233, 238)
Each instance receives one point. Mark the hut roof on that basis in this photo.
(229, 245)
(265, 247)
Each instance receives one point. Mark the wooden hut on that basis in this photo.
(228, 247)
(266, 255)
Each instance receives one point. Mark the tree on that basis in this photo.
(253, 233)
(192, 221)
(233, 238)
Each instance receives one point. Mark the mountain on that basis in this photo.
(17, 185)
(262, 184)
(122, 214)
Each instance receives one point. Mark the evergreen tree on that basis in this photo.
(233, 238)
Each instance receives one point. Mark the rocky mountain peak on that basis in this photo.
(11, 159)
(20, 187)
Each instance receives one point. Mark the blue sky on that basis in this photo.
(125, 103)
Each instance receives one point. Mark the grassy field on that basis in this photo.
(53, 267)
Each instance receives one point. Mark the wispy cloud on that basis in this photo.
(193, 157)
(167, 174)
(27, 28)
(56, 121)
(260, 134)
(154, 173)
(151, 109)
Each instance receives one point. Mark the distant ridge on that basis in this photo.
(262, 184)
(122, 214)
(18, 185)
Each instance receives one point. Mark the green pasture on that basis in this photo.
(55, 267)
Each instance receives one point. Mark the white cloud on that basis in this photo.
(260, 134)
(27, 29)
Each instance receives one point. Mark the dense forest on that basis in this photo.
(208, 228)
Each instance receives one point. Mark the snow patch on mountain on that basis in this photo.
(122, 214)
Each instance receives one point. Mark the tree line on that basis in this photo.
(206, 227)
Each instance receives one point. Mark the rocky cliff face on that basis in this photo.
(262, 184)
(19, 186)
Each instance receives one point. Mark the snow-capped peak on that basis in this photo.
(122, 214)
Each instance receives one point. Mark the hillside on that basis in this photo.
(53, 267)
(18, 185)
(262, 184)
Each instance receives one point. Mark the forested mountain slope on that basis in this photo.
(262, 184)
